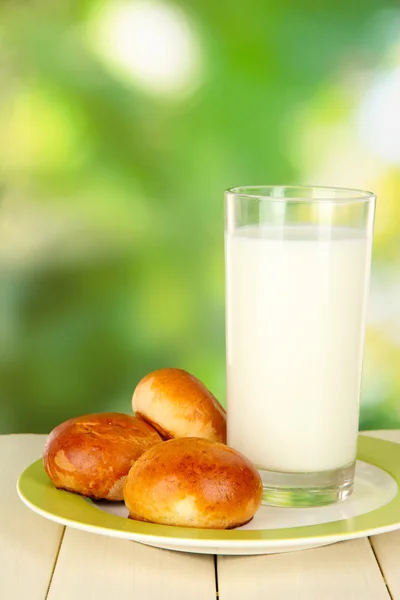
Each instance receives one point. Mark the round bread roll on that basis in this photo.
(92, 454)
(178, 405)
(192, 482)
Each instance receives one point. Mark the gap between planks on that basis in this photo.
(55, 563)
(380, 568)
(216, 576)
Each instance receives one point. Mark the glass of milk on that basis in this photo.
(297, 275)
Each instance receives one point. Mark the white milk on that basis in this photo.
(296, 300)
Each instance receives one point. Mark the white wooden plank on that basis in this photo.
(387, 552)
(93, 567)
(28, 543)
(347, 570)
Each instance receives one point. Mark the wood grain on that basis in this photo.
(28, 543)
(93, 567)
(345, 571)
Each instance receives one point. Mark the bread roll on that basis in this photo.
(92, 454)
(178, 405)
(192, 482)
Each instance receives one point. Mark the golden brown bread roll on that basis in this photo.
(178, 405)
(92, 454)
(192, 482)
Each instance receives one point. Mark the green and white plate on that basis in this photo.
(373, 508)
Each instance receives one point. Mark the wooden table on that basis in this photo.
(40, 560)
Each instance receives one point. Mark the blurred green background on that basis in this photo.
(121, 124)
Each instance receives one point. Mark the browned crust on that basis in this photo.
(193, 482)
(168, 397)
(92, 454)
(166, 435)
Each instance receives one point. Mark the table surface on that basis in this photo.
(41, 560)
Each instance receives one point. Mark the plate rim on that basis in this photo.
(37, 491)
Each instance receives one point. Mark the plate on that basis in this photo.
(373, 508)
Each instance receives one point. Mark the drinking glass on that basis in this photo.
(297, 275)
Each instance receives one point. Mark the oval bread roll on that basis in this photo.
(192, 482)
(178, 405)
(92, 454)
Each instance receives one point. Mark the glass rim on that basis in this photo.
(345, 195)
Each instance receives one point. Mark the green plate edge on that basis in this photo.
(38, 492)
